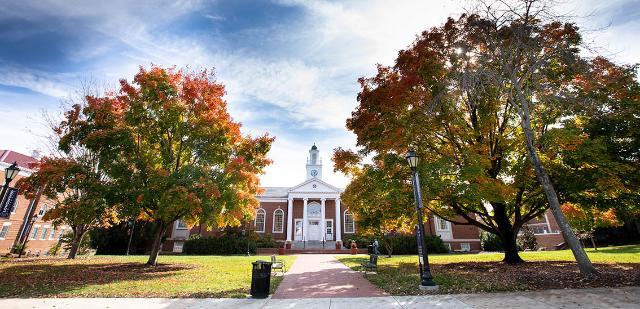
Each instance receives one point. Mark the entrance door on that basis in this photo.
(315, 232)
(329, 229)
(298, 230)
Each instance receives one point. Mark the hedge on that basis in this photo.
(227, 244)
(400, 244)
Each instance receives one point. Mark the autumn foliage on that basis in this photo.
(171, 150)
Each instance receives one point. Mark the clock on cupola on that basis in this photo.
(314, 163)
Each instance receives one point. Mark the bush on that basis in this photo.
(527, 240)
(400, 243)
(228, 244)
(490, 242)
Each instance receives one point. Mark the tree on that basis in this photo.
(172, 151)
(536, 59)
(585, 220)
(77, 192)
(465, 130)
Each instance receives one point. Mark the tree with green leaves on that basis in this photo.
(171, 150)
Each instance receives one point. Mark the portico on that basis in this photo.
(312, 213)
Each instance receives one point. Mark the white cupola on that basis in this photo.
(314, 163)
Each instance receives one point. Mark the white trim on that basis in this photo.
(460, 240)
(310, 180)
(34, 234)
(272, 199)
(8, 225)
(273, 226)
(186, 227)
(43, 235)
(344, 222)
(264, 220)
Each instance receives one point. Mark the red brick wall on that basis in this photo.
(34, 246)
(270, 207)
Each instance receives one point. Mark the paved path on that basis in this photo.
(583, 299)
(322, 276)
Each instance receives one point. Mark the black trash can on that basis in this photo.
(260, 279)
(370, 249)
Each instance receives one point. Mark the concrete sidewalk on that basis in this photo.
(586, 298)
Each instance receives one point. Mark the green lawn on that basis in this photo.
(127, 276)
(468, 273)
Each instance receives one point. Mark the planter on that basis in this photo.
(338, 246)
(288, 245)
(280, 251)
(354, 251)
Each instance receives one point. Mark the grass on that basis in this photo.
(484, 272)
(127, 276)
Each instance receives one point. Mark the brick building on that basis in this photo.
(40, 235)
(311, 212)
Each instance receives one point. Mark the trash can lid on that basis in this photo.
(259, 262)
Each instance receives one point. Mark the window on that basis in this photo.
(45, 232)
(540, 228)
(182, 225)
(42, 211)
(442, 224)
(53, 233)
(278, 221)
(61, 233)
(349, 225)
(260, 218)
(15, 206)
(5, 230)
(177, 247)
(34, 232)
(465, 246)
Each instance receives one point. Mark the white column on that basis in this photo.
(322, 215)
(304, 219)
(289, 219)
(338, 223)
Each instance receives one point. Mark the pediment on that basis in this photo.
(314, 185)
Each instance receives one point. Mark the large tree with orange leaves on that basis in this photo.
(491, 102)
(171, 150)
(585, 220)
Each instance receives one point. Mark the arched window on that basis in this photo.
(278, 221)
(259, 223)
(349, 224)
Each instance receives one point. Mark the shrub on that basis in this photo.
(526, 239)
(490, 242)
(228, 244)
(400, 243)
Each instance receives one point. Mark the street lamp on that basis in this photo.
(426, 279)
(9, 174)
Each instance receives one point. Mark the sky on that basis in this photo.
(290, 67)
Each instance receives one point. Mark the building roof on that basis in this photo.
(10, 156)
(275, 192)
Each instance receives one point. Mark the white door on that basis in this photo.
(315, 232)
(329, 229)
(298, 230)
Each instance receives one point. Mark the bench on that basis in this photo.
(372, 264)
(277, 264)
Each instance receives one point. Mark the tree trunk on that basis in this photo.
(507, 233)
(78, 233)
(584, 263)
(593, 242)
(157, 244)
(637, 223)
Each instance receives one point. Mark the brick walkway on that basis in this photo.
(322, 276)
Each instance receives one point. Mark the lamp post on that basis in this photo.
(9, 174)
(426, 279)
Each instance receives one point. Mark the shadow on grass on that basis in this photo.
(48, 279)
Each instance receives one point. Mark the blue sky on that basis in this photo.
(290, 66)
